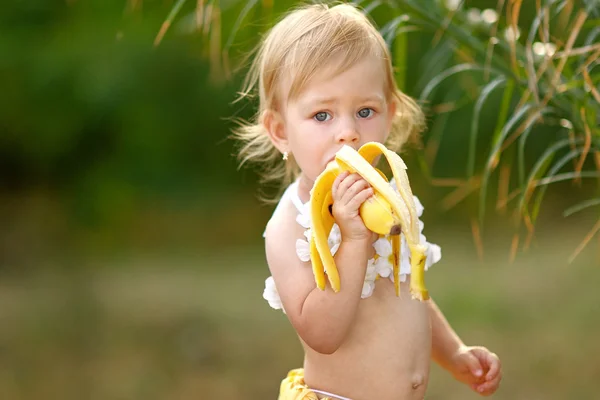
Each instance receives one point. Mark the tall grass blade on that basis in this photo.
(446, 74)
(521, 155)
(436, 61)
(504, 108)
(585, 241)
(390, 30)
(250, 4)
(539, 169)
(567, 176)
(494, 157)
(528, 191)
(591, 37)
(167, 23)
(371, 6)
(485, 92)
(437, 129)
(581, 206)
(400, 62)
(550, 152)
(530, 67)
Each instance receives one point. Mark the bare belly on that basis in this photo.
(386, 355)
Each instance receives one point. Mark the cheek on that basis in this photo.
(377, 125)
(308, 134)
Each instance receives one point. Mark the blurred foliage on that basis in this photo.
(115, 116)
(90, 105)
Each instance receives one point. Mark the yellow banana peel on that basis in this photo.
(385, 213)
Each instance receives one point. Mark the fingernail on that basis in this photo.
(478, 372)
(480, 389)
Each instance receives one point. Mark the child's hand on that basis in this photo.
(349, 191)
(479, 368)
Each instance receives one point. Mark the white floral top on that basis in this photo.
(380, 265)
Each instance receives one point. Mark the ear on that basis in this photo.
(275, 127)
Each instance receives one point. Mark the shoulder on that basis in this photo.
(292, 277)
(286, 222)
(282, 230)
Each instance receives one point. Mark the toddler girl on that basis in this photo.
(324, 79)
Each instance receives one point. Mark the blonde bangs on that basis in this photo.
(334, 45)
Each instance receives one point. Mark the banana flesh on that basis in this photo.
(377, 215)
(385, 213)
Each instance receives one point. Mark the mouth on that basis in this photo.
(332, 159)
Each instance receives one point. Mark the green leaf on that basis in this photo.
(175, 10)
(560, 7)
(423, 166)
(522, 141)
(592, 7)
(496, 146)
(567, 176)
(400, 59)
(446, 74)
(555, 168)
(390, 30)
(371, 6)
(590, 38)
(238, 22)
(504, 108)
(581, 206)
(435, 60)
(537, 204)
(438, 127)
(542, 164)
(485, 92)
(167, 23)
(521, 155)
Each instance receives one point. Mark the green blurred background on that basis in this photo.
(131, 258)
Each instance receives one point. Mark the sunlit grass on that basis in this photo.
(166, 328)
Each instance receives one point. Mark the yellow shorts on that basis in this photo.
(293, 387)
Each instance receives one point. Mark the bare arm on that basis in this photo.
(445, 341)
(323, 318)
(475, 366)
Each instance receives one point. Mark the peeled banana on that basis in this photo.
(385, 213)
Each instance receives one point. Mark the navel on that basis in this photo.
(417, 380)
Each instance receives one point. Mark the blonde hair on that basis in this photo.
(305, 40)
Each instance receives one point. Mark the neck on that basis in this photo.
(304, 187)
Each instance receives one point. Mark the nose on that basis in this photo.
(348, 133)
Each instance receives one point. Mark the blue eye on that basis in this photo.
(365, 112)
(322, 116)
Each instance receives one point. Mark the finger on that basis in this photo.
(357, 187)
(345, 183)
(484, 356)
(360, 198)
(474, 365)
(336, 183)
(489, 361)
(490, 387)
(494, 365)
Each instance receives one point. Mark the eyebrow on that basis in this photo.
(332, 100)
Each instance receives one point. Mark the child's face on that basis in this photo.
(331, 111)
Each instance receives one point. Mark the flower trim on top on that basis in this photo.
(380, 266)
